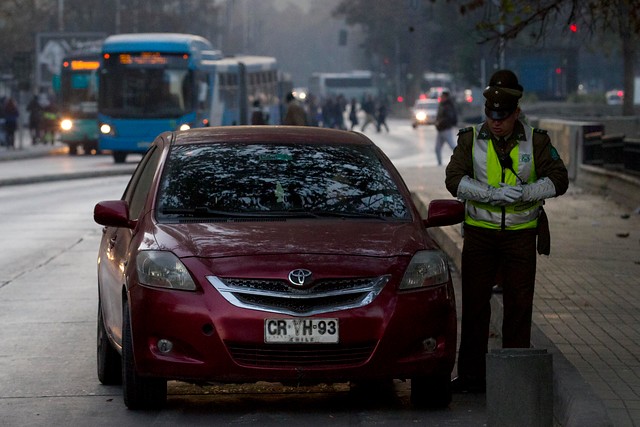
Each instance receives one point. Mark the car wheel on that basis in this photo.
(415, 125)
(109, 362)
(119, 156)
(139, 392)
(431, 391)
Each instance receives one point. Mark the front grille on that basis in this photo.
(277, 296)
(304, 355)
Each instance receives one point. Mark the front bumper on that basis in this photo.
(214, 341)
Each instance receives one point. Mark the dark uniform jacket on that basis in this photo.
(546, 159)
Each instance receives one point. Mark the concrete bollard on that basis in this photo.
(519, 388)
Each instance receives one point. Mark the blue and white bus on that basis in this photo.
(156, 82)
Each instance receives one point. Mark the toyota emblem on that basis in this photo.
(300, 277)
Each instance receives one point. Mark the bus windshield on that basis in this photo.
(79, 89)
(158, 88)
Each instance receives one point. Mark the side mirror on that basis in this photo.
(444, 212)
(113, 213)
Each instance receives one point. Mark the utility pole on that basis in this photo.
(117, 17)
(61, 15)
(501, 42)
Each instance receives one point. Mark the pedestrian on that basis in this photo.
(49, 123)
(339, 108)
(369, 108)
(257, 115)
(328, 112)
(446, 120)
(504, 170)
(295, 114)
(11, 114)
(35, 119)
(353, 113)
(382, 117)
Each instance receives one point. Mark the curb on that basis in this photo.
(64, 177)
(575, 402)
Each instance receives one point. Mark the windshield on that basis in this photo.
(79, 93)
(288, 180)
(146, 91)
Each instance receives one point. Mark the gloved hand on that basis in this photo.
(539, 190)
(472, 189)
(505, 194)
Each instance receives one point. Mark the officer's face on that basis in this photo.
(505, 126)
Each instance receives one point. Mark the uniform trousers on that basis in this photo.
(484, 252)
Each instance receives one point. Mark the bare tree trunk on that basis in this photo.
(628, 58)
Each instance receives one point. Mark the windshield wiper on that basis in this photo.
(337, 214)
(203, 212)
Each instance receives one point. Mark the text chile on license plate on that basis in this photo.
(301, 331)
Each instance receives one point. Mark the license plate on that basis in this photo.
(294, 331)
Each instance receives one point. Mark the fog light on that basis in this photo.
(165, 346)
(430, 345)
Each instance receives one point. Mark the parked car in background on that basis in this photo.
(272, 253)
(614, 97)
(424, 112)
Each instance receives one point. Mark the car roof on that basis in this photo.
(426, 102)
(269, 134)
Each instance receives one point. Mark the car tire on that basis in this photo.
(138, 392)
(414, 125)
(432, 392)
(119, 156)
(109, 362)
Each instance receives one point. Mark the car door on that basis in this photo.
(115, 248)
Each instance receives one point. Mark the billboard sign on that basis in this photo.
(52, 47)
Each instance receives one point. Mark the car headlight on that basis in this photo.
(427, 268)
(163, 270)
(66, 124)
(184, 126)
(421, 115)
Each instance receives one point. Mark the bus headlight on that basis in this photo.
(184, 126)
(66, 124)
(106, 129)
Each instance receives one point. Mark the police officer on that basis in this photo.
(504, 170)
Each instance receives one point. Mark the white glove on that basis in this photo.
(472, 189)
(539, 190)
(505, 194)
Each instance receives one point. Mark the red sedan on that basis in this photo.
(268, 253)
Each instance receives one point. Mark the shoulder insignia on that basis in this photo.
(554, 152)
(543, 131)
(465, 130)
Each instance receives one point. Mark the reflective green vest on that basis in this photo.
(487, 169)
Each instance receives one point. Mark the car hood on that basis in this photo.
(332, 237)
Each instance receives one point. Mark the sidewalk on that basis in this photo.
(24, 148)
(587, 302)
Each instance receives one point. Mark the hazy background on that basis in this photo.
(301, 34)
